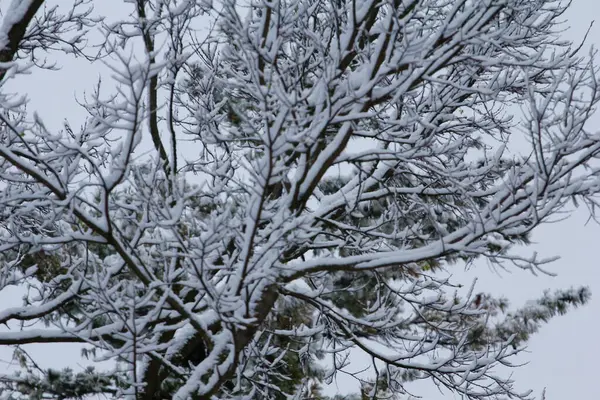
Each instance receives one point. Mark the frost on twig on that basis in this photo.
(287, 186)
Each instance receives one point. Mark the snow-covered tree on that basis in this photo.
(265, 188)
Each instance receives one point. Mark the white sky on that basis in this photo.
(564, 355)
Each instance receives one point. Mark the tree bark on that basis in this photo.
(16, 32)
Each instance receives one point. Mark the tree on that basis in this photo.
(287, 186)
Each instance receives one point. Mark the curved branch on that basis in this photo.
(17, 19)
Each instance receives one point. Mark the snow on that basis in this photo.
(12, 15)
(211, 258)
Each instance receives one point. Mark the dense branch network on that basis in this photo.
(288, 186)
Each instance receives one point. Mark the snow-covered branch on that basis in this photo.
(288, 184)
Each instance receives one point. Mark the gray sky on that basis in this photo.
(564, 355)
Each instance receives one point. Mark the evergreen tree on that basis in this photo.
(314, 169)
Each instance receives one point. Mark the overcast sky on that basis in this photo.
(564, 355)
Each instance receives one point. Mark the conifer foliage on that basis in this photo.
(264, 189)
